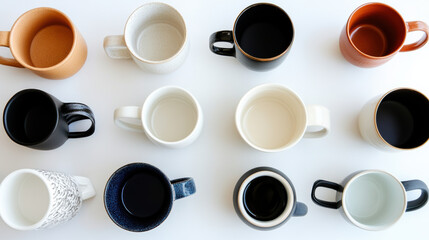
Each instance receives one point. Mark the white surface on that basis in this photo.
(314, 69)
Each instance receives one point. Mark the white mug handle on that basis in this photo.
(85, 186)
(116, 48)
(129, 118)
(318, 121)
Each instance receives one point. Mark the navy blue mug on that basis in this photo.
(138, 197)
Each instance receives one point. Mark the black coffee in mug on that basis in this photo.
(265, 198)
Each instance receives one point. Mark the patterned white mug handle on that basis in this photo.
(116, 48)
(85, 186)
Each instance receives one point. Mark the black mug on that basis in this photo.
(263, 34)
(36, 119)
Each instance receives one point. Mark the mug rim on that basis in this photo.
(259, 58)
(131, 49)
(348, 35)
(70, 25)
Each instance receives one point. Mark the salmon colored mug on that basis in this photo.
(375, 32)
(45, 41)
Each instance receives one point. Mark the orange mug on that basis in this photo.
(45, 41)
(375, 32)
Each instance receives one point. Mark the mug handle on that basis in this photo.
(300, 210)
(422, 199)
(4, 42)
(115, 47)
(74, 112)
(85, 186)
(318, 121)
(416, 26)
(183, 187)
(129, 118)
(222, 36)
(330, 185)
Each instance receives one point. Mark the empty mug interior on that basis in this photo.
(30, 117)
(125, 206)
(155, 32)
(376, 30)
(170, 114)
(24, 200)
(41, 38)
(374, 200)
(402, 118)
(263, 31)
(271, 118)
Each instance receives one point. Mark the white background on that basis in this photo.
(314, 69)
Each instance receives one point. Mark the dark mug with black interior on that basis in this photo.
(138, 197)
(261, 37)
(397, 120)
(36, 119)
(264, 198)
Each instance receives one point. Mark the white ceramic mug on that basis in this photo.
(155, 38)
(35, 199)
(170, 116)
(373, 199)
(272, 118)
(397, 120)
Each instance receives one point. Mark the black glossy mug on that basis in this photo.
(36, 119)
(263, 34)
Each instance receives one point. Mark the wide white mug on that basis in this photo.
(272, 118)
(33, 199)
(170, 116)
(155, 37)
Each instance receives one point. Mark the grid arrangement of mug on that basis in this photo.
(270, 118)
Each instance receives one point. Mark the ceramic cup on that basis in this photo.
(396, 120)
(170, 117)
(139, 197)
(38, 120)
(272, 118)
(373, 199)
(262, 37)
(375, 32)
(45, 41)
(35, 199)
(155, 38)
(264, 198)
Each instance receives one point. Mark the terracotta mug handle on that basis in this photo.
(4, 42)
(416, 26)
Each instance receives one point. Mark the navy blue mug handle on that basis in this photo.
(326, 184)
(74, 112)
(300, 210)
(422, 199)
(183, 187)
(222, 36)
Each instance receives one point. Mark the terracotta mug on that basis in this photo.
(375, 32)
(45, 41)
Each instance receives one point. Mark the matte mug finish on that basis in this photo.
(272, 118)
(170, 117)
(375, 32)
(138, 197)
(396, 120)
(155, 37)
(33, 199)
(373, 199)
(262, 37)
(45, 41)
(264, 198)
(38, 120)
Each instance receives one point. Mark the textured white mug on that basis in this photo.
(170, 116)
(155, 38)
(35, 199)
(272, 118)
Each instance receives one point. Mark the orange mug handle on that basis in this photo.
(4, 42)
(416, 26)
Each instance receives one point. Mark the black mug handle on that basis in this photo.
(222, 36)
(326, 184)
(420, 201)
(75, 112)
